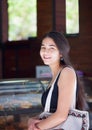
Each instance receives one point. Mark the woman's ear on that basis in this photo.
(61, 57)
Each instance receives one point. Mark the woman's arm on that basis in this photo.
(32, 122)
(66, 85)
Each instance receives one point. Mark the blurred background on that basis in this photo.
(22, 73)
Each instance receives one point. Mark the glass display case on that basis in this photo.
(20, 99)
(21, 96)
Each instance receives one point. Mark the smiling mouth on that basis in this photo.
(46, 58)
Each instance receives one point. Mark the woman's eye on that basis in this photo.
(52, 48)
(47, 49)
(42, 48)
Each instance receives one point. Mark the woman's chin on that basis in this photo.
(46, 63)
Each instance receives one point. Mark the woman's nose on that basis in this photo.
(47, 51)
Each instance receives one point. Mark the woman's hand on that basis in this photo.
(31, 124)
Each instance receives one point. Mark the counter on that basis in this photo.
(20, 96)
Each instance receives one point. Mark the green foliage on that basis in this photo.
(22, 19)
(72, 16)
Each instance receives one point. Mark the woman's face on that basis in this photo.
(49, 52)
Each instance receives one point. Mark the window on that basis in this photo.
(22, 15)
(72, 17)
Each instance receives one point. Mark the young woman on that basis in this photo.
(67, 91)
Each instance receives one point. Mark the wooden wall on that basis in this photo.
(44, 16)
(81, 46)
(20, 58)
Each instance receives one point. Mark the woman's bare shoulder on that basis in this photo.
(68, 70)
(67, 74)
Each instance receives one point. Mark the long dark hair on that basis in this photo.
(64, 48)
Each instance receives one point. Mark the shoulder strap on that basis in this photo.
(48, 100)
